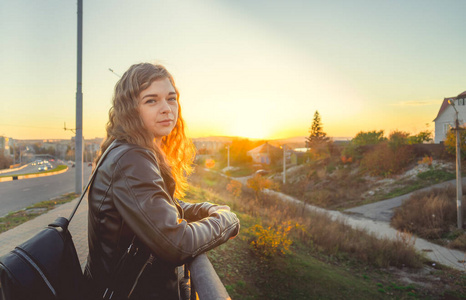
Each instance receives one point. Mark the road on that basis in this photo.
(384, 210)
(18, 194)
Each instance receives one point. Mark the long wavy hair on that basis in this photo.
(175, 153)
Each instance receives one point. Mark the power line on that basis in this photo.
(25, 126)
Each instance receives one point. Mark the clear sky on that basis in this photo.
(258, 68)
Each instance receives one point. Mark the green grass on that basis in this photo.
(16, 218)
(58, 168)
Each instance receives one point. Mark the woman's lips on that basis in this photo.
(165, 122)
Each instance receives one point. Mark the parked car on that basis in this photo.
(262, 172)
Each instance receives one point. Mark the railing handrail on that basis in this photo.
(205, 281)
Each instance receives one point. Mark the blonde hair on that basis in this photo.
(176, 152)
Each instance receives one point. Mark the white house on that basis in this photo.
(446, 116)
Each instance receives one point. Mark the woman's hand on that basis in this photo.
(215, 208)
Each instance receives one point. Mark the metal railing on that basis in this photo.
(205, 281)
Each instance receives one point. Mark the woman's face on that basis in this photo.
(158, 108)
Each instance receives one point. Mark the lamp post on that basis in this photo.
(228, 158)
(284, 164)
(79, 105)
(459, 187)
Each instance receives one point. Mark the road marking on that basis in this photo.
(26, 189)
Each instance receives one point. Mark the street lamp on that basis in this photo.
(114, 72)
(228, 158)
(284, 163)
(459, 188)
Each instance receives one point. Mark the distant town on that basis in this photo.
(15, 152)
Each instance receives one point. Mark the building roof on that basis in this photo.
(445, 105)
(264, 148)
(463, 94)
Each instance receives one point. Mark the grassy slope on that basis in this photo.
(305, 273)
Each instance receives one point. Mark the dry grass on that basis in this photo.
(431, 215)
(317, 231)
(326, 184)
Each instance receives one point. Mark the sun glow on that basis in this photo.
(254, 130)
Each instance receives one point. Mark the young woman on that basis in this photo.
(133, 199)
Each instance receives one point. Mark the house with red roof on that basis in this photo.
(446, 116)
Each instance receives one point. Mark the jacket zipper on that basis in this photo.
(149, 261)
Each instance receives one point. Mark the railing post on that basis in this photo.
(205, 281)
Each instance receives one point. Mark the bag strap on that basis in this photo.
(91, 179)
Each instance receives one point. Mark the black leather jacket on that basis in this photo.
(129, 197)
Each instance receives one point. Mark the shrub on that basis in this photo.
(234, 187)
(386, 160)
(346, 159)
(268, 242)
(397, 138)
(351, 150)
(258, 184)
(426, 160)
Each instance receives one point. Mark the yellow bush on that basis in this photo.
(268, 242)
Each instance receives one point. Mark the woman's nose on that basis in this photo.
(166, 107)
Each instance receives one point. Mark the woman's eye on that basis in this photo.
(172, 99)
(150, 101)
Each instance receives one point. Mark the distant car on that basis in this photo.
(42, 168)
(89, 165)
(262, 172)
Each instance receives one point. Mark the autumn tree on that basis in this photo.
(258, 184)
(450, 142)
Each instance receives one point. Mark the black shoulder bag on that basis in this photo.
(46, 266)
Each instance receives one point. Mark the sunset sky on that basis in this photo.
(258, 69)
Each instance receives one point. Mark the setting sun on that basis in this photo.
(256, 127)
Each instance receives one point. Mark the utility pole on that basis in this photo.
(79, 106)
(228, 148)
(284, 164)
(459, 184)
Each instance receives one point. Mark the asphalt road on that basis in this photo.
(18, 194)
(384, 210)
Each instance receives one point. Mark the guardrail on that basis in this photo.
(12, 170)
(205, 281)
(17, 177)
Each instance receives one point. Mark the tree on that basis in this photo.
(5, 161)
(397, 138)
(450, 142)
(421, 137)
(368, 138)
(317, 135)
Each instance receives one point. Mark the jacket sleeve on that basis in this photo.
(147, 209)
(195, 211)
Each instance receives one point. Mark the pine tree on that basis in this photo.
(317, 135)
